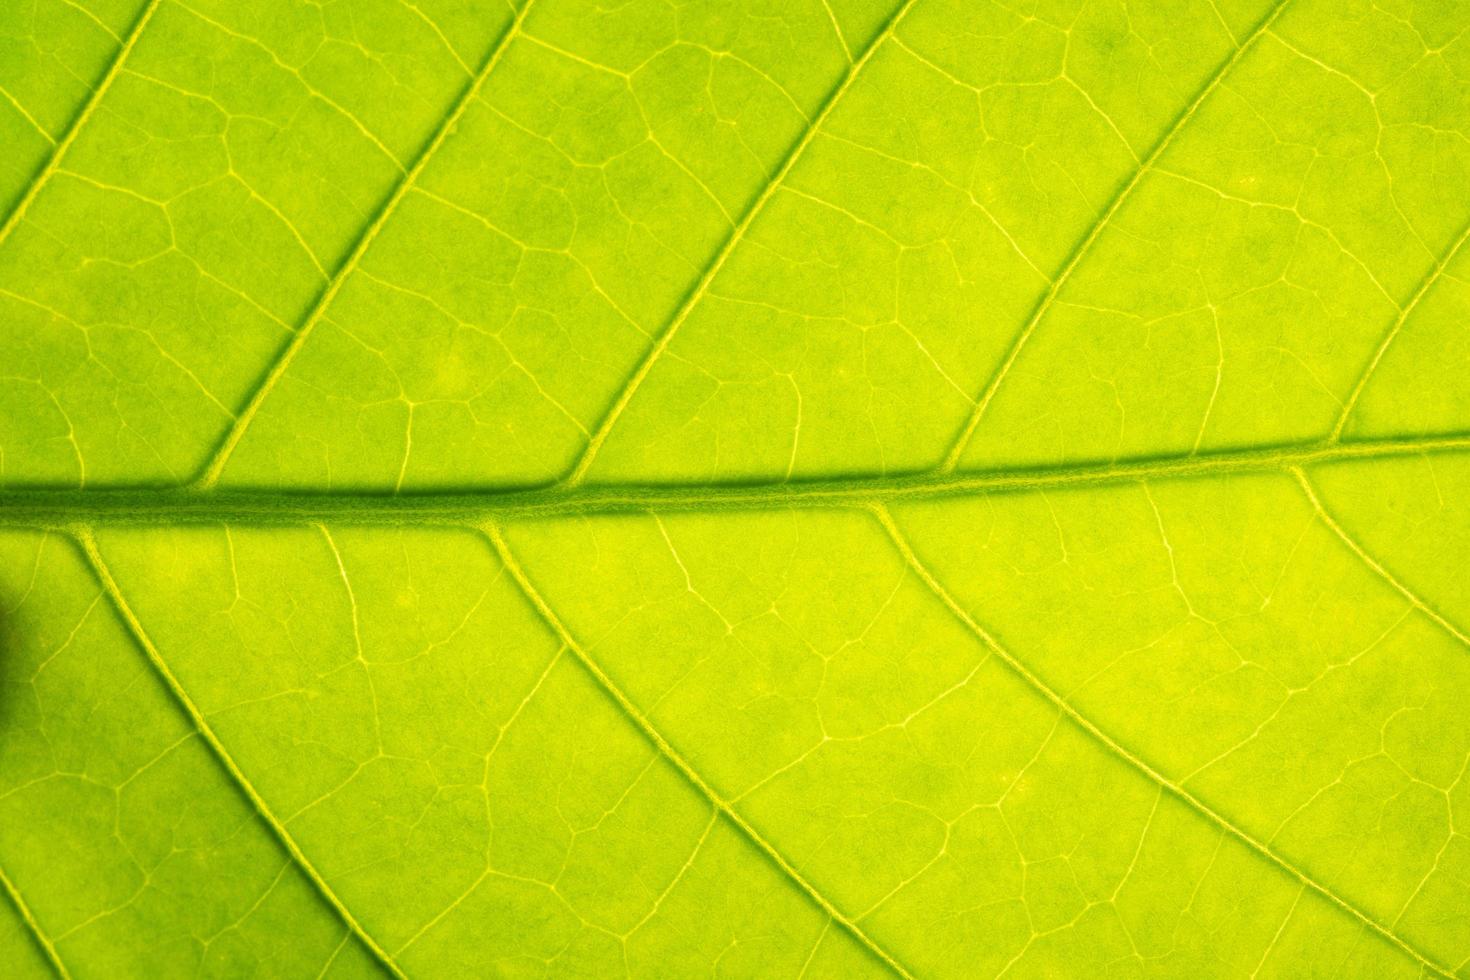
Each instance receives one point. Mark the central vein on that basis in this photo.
(183, 505)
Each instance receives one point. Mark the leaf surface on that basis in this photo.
(767, 489)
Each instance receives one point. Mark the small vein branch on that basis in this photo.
(1326, 517)
(79, 121)
(926, 576)
(83, 536)
(661, 744)
(215, 466)
(1431, 277)
(579, 469)
(1084, 245)
(33, 926)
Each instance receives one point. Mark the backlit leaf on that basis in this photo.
(811, 488)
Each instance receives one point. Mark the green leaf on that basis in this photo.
(765, 488)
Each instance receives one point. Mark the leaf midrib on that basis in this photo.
(162, 506)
